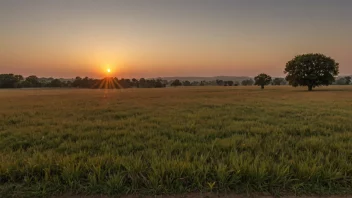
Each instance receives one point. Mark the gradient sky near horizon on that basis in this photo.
(152, 38)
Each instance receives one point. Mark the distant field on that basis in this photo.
(280, 140)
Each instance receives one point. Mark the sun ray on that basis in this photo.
(101, 84)
(109, 83)
(106, 83)
(117, 83)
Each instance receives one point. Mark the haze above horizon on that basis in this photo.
(152, 38)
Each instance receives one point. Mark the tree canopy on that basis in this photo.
(262, 80)
(311, 70)
(343, 81)
(248, 82)
(279, 81)
(10, 80)
(176, 83)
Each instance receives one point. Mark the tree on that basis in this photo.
(230, 83)
(33, 81)
(19, 78)
(77, 82)
(56, 83)
(159, 83)
(186, 83)
(195, 83)
(341, 81)
(86, 82)
(219, 82)
(10, 80)
(67, 84)
(135, 83)
(165, 82)
(176, 83)
(262, 80)
(279, 81)
(125, 83)
(142, 83)
(247, 82)
(311, 70)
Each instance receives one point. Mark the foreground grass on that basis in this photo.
(164, 141)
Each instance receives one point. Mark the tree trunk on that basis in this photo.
(310, 87)
(262, 86)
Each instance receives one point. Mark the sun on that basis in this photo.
(107, 69)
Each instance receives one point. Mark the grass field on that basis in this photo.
(280, 140)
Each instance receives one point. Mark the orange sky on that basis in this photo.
(155, 38)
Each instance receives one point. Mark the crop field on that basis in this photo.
(281, 140)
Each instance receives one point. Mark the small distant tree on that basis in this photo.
(87, 82)
(341, 81)
(127, 83)
(230, 83)
(135, 83)
(67, 84)
(77, 82)
(10, 81)
(248, 82)
(165, 82)
(56, 83)
(159, 83)
(176, 83)
(195, 83)
(32, 81)
(311, 70)
(262, 80)
(279, 81)
(220, 82)
(236, 83)
(186, 83)
(142, 83)
(19, 80)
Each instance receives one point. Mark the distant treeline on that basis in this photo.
(18, 81)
